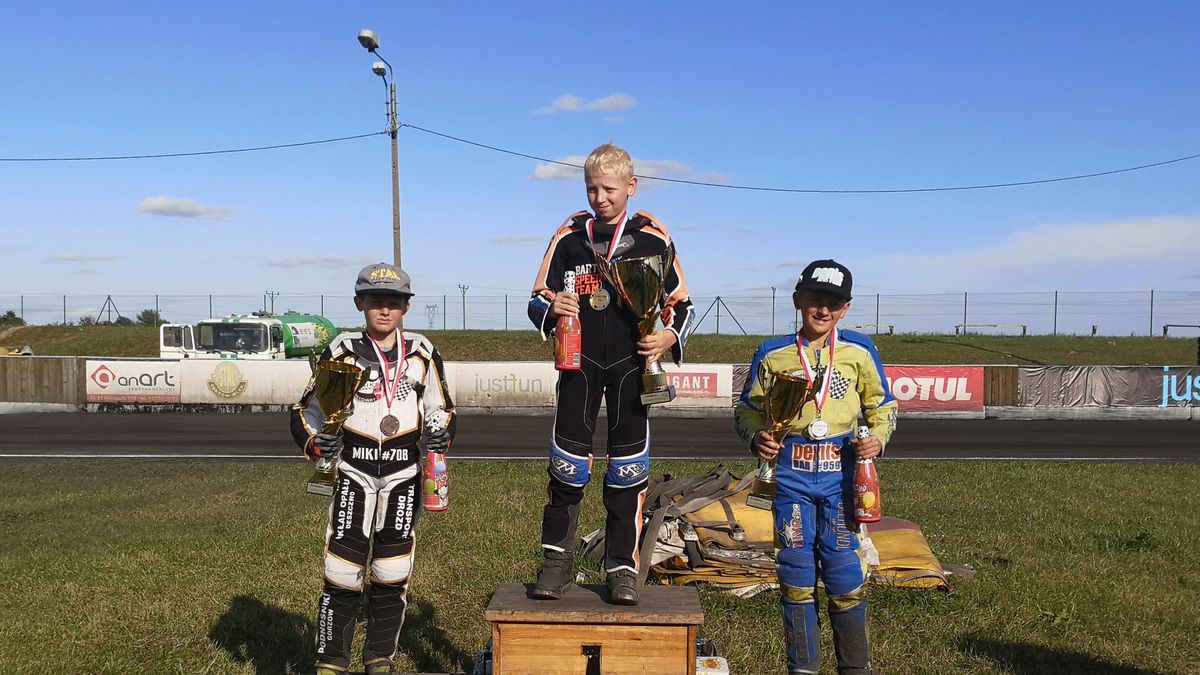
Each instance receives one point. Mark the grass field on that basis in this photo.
(525, 345)
(173, 566)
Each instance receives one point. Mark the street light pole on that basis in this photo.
(370, 42)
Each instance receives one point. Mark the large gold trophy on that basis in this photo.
(639, 283)
(783, 397)
(334, 385)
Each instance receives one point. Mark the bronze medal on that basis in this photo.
(600, 299)
(389, 425)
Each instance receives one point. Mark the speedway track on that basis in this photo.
(265, 436)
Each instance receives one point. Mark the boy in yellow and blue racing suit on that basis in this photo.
(816, 463)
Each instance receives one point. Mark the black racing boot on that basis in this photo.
(555, 576)
(622, 588)
(850, 640)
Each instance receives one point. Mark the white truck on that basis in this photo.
(257, 336)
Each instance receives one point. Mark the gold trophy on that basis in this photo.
(639, 283)
(334, 384)
(783, 397)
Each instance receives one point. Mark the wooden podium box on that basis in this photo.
(581, 634)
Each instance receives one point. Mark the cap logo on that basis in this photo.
(383, 275)
(829, 275)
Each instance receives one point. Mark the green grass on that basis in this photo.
(526, 345)
(193, 567)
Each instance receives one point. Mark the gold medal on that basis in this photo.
(389, 425)
(600, 299)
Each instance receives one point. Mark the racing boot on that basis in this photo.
(622, 587)
(850, 641)
(555, 576)
(380, 667)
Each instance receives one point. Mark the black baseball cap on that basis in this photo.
(827, 275)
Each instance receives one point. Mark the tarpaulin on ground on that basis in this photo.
(699, 529)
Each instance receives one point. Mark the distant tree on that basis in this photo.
(10, 318)
(150, 317)
(123, 321)
(86, 321)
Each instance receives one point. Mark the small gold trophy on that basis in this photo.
(783, 397)
(334, 385)
(639, 283)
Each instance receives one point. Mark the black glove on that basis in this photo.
(327, 445)
(438, 441)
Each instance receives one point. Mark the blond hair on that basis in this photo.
(609, 159)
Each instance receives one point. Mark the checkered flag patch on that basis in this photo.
(404, 389)
(838, 386)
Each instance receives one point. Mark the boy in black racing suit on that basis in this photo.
(613, 356)
(377, 496)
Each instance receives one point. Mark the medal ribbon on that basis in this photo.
(821, 396)
(612, 246)
(387, 379)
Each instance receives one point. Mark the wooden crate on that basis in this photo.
(552, 637)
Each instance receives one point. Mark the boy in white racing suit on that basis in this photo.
(376, 498)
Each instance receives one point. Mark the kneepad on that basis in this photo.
(626, 472)
(391, 570)
(797, 568)
(570, 469)
(343, 574)
(844, 574)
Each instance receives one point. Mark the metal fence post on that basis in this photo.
(964, 312)
(1151, 333)
(506, 311)
(445, 307)
(1055, 329)
(877, 314)
(210, 305)
(772, 310)
(718, 315)
(64, 309)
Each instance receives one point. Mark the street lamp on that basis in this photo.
(382, 68)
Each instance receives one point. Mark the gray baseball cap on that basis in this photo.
(383, 278)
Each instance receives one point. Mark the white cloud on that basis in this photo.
(182, 208)
(612, 103)
(327, 261)
(1107, 255)
(648, 169)
(72, 257)
(517, 238)
(547, 171)
(573, 103)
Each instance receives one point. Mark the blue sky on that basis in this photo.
(847, 95)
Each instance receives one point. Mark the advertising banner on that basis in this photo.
(502, 383)
(1126, 386)
(132, 381)
(936, 388)
(700, 385)
(234, 381)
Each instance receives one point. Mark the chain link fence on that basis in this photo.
(1123, 313)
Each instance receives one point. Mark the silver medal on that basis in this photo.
(818, 429)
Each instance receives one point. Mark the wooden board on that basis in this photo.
(660, 605)
(552, 637)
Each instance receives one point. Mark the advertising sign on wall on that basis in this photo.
(243, 382)
(132, 381)
(1133, 386)
(936, 388)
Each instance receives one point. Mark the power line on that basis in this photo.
(682, 181)
(813, 190)
(188, 154)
